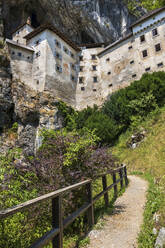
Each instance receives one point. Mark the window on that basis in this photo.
(93, 56)
(58, 44)
(81, 58)
(37, 82)
(108, 59)
(160, 64)
(81, 68)
(28, 57)
(81, 80)
(82, 88)
(134, 75)
(109, 73)
(94, 67)
(58, 68)
(19, 54)
(58, 55)
(13, 53)
(154, 32)
(157, 47)
(132, 62)
(38, 54)
(72, 55)
(94, 90)
(66, 50)
(142, 38)
(73, 67)
(72, 77)
(95, 79)
(145, 54)
(148, 69)
(37, 42)
(130, 47)
(110, 85)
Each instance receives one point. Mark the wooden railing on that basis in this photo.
(58, 224)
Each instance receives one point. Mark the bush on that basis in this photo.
(104, 127)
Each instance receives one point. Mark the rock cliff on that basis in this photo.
(84, 21)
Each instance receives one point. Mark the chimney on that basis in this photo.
(28, 21)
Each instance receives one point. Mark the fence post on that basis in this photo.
(104, 182)
(125, 175)
(121, 177)
(90, 211)
(115, 186)
(57, 221)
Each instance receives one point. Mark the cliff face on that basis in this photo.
(84, 21)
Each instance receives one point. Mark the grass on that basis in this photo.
(148, 161)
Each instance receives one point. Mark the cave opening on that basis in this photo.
(34, 20)
(85, 38)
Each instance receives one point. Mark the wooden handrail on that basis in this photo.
(58, 224)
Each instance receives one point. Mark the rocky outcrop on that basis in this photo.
(6, 103)
(83, 21)
(33, 111)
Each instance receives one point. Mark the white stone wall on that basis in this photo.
(39, 44)
(120, 65)
(62, 82)
(21, 64)
(89, 92)
(19, 35)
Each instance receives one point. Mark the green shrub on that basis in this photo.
(105, 128)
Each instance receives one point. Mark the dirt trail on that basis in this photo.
(122, 227)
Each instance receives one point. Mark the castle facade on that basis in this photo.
(46, 60)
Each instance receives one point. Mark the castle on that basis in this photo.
(46, 60)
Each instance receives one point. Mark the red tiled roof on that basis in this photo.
(146, 16)
(53, 29)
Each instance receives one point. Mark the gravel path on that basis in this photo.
(122, 227)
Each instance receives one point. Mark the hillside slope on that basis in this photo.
(148, 160)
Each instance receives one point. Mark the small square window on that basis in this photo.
(160, 64)
(72, 78)
(58, 68)
(81, 68)
(142, 38)
(38, 54)
(145, 54)
(19, 54)
(13, 53)
(110, 85)
(134, 75)
(81, 58)
(82, 88)
(72, 55)
(94, 90)
(66, 50)
(148, 69)
(58, 44)
(94, 67)
(109, 73)
(108, 59)
(37, 42)
(157, 47)
(132, 62)
(95, 79)
(130, 47)
(81, 80)
(154, 32)
(93, 56)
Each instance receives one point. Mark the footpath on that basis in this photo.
(122, 227)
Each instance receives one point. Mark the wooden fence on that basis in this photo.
(58, 224)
